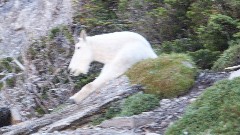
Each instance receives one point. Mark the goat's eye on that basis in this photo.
(78, 47)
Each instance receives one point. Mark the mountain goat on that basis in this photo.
(118, 51)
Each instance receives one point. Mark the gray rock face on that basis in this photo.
(24, 20)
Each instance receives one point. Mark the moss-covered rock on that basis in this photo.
(167, 76)
(215, 112)
(230, 57)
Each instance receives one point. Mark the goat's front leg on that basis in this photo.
(109, 72)
(83, 93)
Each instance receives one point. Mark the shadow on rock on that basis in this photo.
(5, 117)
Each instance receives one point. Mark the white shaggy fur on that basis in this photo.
(118, 51)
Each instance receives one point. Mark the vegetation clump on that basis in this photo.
(5, 64)
(8, 69)
(204, 58)
(166, 76)
(133, 105)
(139, 103)
(216, 111)
(230, 57)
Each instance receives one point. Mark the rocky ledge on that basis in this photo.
(73, 119)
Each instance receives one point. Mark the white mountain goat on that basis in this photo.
(118, 51)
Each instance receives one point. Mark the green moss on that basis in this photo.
(5, 64)
(61, 30)
(167, 76)
(54, 32)
(229, 58)
(139, 103)
(40, 111)
(68, 34)
(1, 86)
(11, 82)
(215, 112)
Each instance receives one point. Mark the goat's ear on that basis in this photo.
(83, 35)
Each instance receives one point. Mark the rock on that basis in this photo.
(5, 116)
(94, 131)
(234, 74)
(16, 117)
(192, 100)
(76, 115)
(125, 122)
(152, 134)
(187, 64)
(24, 20)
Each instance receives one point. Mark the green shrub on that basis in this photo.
(99, 16)
(139, 103)
(180, 46)
(215, 112)
(166, 76)
(230, 57)
(204, 58)
(219, 30)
